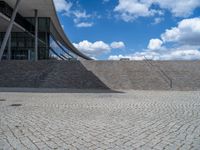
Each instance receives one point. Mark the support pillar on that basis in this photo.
(47, 45)
(9, 48)
(9, 29)
(36, 35)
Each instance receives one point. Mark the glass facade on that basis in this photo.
(7, 11)
(22, 46)
(22, 43)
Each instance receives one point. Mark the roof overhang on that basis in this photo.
(46, 8)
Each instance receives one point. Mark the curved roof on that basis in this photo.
(46, 8)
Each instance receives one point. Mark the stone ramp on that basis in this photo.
(137, 75)
(66, 74)
(185, 75)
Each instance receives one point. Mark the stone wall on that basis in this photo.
(138, 75)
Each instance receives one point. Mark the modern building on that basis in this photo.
(30, 30)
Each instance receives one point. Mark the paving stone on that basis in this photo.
(130, 120)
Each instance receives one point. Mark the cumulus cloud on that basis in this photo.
(62, 5)
(155, 44)
(93, 49)
(131, 9)
(97, 48)
(186, 33)
(81, 14)
(178, 54)
(84, 24)
(117, 45)
(179, 8)
(186, 44)
(157, 20)
(118, 57)
(80, 17)
(191, 54)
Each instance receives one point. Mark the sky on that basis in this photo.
(134, 29)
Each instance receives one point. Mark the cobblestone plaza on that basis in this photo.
(100, 120)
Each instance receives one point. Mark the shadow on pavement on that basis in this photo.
(57, 90)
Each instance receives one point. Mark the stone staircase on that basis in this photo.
(138, 75)
(71, 74)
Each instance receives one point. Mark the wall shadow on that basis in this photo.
(57, 90)
(49, 76)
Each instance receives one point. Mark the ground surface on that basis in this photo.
(130, 120)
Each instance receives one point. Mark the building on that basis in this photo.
(29, 27)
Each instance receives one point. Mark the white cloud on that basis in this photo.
(62, 5)
(157, 20)
(131, 9)
(97, 48)
(171, 35)
(81, 14)
(186, 33)
(118, 57)
(178, 54)
(84, 24)
(185, 54)
(117, 45)
(155, 44)
(81, 19)
(179, 8)
(186, 40)
(93, 49)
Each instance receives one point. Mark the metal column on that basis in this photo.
(36, 35)
(9, 29)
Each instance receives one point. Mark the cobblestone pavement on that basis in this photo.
(130, 120)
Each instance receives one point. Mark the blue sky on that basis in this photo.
(114, 29)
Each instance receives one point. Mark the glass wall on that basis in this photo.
(58, 47)
(7, 11)
(23, 43)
